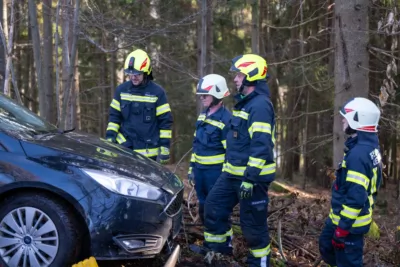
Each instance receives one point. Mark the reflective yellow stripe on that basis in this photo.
(164, 151)
(268, 169)
(209, 160)
(358, 178)
(235, 170)
(359, 222)
(261, 127)
(218, 124)
(113, 127)
(335, 218)
(162, 109)
(138, 98)
(363, 220)
(349, 212)
(193, 158)
(273, 135)
(201, 117)
(217, 238)
(190, 170)
(239, 170)
(371, 200)
(255, 162)
(374, 180)
(241, 114)
(120, 138)
(224, 143)
(150, 152)
(115, 105)
(343, 164)
(261, 252)
(165, 133)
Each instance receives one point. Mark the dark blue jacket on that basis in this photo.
(250, 141)
(209, 143)
(140, 118)
(358, 179)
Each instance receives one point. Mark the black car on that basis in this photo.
(67, 195)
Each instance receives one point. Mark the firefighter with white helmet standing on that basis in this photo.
(354, 191)
(209, 143)
(140, 117)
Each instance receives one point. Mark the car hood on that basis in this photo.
(88, 151)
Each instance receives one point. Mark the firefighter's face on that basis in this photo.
(238, 80)
(345, 124)
(136, 79)
(206, 100)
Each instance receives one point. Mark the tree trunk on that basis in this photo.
(351, 62)
(2, 53)
(50, 107)
(255, 32)
(202, 44)
(70, 47)
(37, 56)
(291, 156)
(209, 38)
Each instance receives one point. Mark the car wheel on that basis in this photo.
(37, 231)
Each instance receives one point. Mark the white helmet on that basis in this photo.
(361, 114)
(213, 84)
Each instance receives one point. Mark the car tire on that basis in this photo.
(46, 213)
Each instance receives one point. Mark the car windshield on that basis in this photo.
(17, 119)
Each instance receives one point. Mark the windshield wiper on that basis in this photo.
(40, 136)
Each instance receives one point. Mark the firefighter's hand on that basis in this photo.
(397, 235)
(112, 140)
(246, 190)
(339, 238)
(163, 155)
(191, 176)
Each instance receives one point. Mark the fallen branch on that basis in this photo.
(280, 240)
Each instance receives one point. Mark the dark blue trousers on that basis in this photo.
(350, 256)
(204, 180)
(219, 205)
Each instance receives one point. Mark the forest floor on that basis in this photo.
(296, 218)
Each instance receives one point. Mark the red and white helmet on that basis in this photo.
(213, 84)
(361, 114)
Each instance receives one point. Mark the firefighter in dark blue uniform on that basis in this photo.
(209, 143)
(354, 191)
(140, 116)
(248, 170)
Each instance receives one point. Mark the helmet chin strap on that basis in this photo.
(215, 102)
(349, 131)
(241, 88)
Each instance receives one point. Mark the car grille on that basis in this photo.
(175, 205)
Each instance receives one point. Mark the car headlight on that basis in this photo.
(124, 186)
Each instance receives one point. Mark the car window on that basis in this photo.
(18, 119)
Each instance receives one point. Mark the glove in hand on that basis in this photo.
(339, 238)
(191, 176)
(163, 155)
(246, 190)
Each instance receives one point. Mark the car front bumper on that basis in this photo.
(125, 228)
